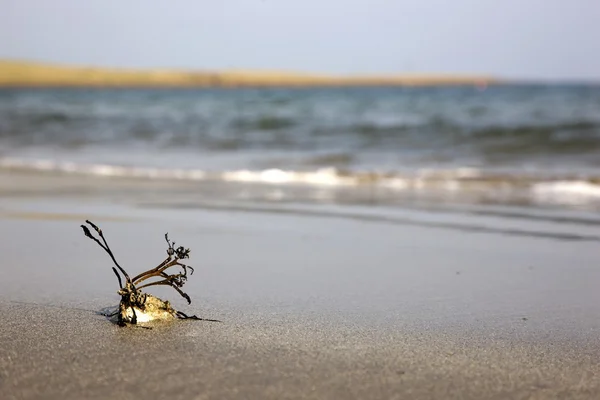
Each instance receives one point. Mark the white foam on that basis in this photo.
(321, 177)
(325, 176)
(574, 192)
(446, 180)
(102, 170)
(396, 183)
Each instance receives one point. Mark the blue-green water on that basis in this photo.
(539, 144)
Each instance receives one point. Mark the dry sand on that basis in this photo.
(311, 308)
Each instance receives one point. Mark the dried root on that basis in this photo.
(137, 306)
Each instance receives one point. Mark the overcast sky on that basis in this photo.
(507, 38)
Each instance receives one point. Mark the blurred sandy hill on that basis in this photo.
(33, 74)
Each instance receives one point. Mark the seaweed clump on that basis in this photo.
(135, 305)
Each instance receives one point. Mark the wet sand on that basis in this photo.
(311, 308)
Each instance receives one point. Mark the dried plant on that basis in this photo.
(136, 306)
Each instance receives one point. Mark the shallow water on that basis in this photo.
(526, 145)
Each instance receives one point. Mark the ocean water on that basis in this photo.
(509, 145)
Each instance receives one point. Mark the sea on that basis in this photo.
(521, 146)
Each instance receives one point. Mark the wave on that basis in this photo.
(570, 192)
(540, 131)
(264, 123)
(99, 170)
(229, 127)
(550, 188)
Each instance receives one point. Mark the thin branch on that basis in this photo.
(182, 315)
(172, 280)
(160, 271)
(179, 253)
(105, 247)
(118, 277)
(87, 233)
(159, 266)
(168, 282)
(134, 318)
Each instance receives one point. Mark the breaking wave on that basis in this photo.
(562, 189)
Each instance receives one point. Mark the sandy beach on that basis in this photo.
(388, 202)
(311, 307)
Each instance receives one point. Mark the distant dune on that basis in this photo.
(31, 74)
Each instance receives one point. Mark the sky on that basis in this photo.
(539, 39)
